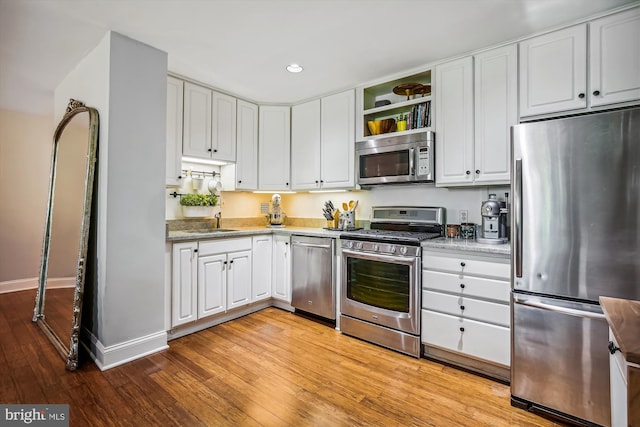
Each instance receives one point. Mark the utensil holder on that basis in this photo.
(348, 220)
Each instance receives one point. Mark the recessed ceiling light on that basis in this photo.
(294, 68)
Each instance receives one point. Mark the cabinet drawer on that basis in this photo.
(466, 307)
(468, 265)
(220, 246)
(497, 290)
(475, 339)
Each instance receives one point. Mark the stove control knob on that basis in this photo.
(349, 244)
(403, 250)
(375, 247)
(392, 249)
(358, 245)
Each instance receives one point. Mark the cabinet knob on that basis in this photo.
(461, 329)
(239, 181)
(477, 171)
(215, 151)
(195, 250)
(461, 285)
(581, 95)
(231, 262)
(462, 307)
(468, 172)
(286, 243)
(179, 176)
(225, 263)
(462, 264)
(316, 181)
(286, 183)
(209, 149)
(596, 92)
(612, 347)
(321, 181)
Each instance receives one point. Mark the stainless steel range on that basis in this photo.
(381, 279)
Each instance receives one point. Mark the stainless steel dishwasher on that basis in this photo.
(313, 285)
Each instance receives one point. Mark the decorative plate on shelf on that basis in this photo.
(406, 89)
(422, 90)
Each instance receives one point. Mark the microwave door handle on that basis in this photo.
(412, 157)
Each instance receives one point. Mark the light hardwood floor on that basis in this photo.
(271, 368)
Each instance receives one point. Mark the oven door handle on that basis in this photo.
(397, 259)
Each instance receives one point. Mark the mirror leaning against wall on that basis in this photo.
(66, 236)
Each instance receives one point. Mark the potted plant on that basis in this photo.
(198, 205)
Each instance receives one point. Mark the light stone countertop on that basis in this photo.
(440, 243)
(467, 246)
(184, 235)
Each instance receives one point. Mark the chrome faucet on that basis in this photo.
(218, 217)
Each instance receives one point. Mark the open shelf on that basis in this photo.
(399, 104)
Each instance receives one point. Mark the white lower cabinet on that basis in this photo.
(281, 275)
(238, 279)
(262, 267)
(184, 292)
(210, 277)
(212, 284)
(471, 337)
(465, 306)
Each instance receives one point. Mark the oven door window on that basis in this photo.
(392, 163)
(379, 284)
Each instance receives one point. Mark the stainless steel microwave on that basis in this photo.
(398, 159)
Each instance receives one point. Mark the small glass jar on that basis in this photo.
(468, 230)
(453, 230)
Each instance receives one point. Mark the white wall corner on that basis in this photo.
(119, 354)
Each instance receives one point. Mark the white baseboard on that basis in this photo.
(115, 355)
(18, 285)
(32, 283)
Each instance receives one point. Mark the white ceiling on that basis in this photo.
(243, 46)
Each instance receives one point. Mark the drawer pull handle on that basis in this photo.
(462, 264)
(613, 348)
(461, 285)
(461, 329)
(462, 307)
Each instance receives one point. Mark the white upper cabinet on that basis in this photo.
(614, 58)
(209, 127)
(496, 110)
(175, 93)
(476, 104)
(337, 136)
(246, 174)
(274, 148)
(454, 122)
(553, 72)
(197, 121)
(323, 143)
(223, 133)
(305, 146)
(554, 67)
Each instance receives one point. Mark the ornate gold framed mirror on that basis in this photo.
(66, 235)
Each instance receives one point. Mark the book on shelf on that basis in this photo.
(420, 116)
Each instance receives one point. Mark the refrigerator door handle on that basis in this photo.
(517, 216)
(555, 308)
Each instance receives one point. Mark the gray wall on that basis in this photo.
(125, 81)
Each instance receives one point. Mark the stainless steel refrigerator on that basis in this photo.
(575, 236)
